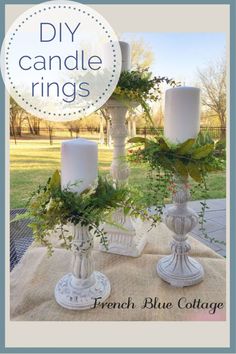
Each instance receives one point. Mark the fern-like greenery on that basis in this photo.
(51, 208)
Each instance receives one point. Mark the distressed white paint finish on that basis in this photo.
(127, 240)
(179, 269)
(131, 239)
(77, 290)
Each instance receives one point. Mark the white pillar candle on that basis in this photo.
(125, 55)
(79, 163)
(182, 113)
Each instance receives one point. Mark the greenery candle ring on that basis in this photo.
(194, 158)
(51, 208)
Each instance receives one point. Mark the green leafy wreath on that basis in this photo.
(51, 208)
(194, 158)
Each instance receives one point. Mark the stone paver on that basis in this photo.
(215, 224)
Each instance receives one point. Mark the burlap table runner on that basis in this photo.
(34, 278)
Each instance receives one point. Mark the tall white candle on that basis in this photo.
(79, 163)
(126, 56)
(182, 113)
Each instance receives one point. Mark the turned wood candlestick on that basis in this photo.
(179, 269)
(79, 289)
(131, 238)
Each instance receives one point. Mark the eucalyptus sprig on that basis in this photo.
(51, 208)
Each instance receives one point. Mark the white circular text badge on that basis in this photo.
(60, 60)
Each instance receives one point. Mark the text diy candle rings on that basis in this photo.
(79, 61)
(61, 61)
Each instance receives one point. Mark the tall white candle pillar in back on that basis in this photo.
(182, 113)
(79, 163)
(125, 55)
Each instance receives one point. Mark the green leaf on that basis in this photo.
(203, 151)
(19, 217)
(208, 138)
(55, 181)
(138, 140)
(126, 210)
(165, 162)
(181, 168)
(163, 144)
(185, 147)
(194, 172)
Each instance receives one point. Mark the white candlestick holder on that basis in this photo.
(131, 238)
(79, 289)
(179, 269)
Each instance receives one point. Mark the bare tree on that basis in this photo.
(142, 56)
(73, 127)
(50, 127)
(34, 124)
(16, 118)
(213, 86)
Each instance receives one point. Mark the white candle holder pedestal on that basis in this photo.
(179, 269)
(79, 289)
(131, 238)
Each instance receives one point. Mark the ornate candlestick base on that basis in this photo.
(73, 295)
(179, 269)
(79, 289)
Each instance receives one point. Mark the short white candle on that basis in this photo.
(182, 113)
(126, 56)
(79, 163)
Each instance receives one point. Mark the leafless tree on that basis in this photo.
(34, 124)
(142, 55)
(50, 127)
(213, 87)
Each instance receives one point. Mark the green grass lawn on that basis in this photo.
(33, 161)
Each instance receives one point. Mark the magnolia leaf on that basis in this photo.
(163, 144)
(185, 147)
(165, 162)
(210, 168)
(55, 181)
(203, 151)
(138, 140)
(203, 139)
(220, 145)
(208, 138)
(181, 168)
(194, 172)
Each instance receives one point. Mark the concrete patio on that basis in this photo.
(215, 224)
